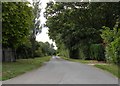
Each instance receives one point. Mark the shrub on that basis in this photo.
(84, 52)
(112, 41)
(39, 53)
(97, 52)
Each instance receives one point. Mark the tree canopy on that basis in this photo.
(75, 23)
(17, 21)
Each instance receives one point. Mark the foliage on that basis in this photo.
(62, 51)
(85, 51)
(112, 42)
(24, 51)
(44, 49)
(75, 24)
(36, 29)
(97, 52)
(41, 49)
(36, 11)
(17, 20)
(39, 53)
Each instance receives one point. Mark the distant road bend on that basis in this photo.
(59, 71)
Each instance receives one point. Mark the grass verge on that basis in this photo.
(0, 71)
(81, 61)
(13, 69)
(112, 68)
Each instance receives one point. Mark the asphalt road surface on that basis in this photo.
(58, 71)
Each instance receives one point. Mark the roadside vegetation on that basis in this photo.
(83, 32)
(19, 32)
(20, 50)
(13, 69)
(0, 71)
(86, 31)
(79, 60)
(112, 68)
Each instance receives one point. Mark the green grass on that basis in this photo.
(81, 61)
(13, 69)
(0, 71)
(110, 68)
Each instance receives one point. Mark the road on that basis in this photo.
(58, 71)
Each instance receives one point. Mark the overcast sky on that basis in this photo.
(43, 36)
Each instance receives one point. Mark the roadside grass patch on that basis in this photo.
(79, 60)
(0, 71)
(13, 69)
(110, 68)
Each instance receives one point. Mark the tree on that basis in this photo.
(17, 21)
(36, 10)
(44, 49)
(37, 28)
(78, 24)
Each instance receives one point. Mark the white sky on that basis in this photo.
(43, 36)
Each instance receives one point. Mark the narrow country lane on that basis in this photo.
(58, 71)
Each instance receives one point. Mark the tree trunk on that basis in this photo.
(13, 59)
(33, 44)
(3, 55)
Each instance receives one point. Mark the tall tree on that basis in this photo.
(78, 23)
(37, 28)
(16, 21)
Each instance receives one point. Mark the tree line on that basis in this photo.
(20, 25)
(85, 30)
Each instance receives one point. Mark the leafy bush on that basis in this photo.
(63, 52)
(81, 53)
(24, 51)
(97, 52)
(39, 53)
(112, 41)
(84, 52)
